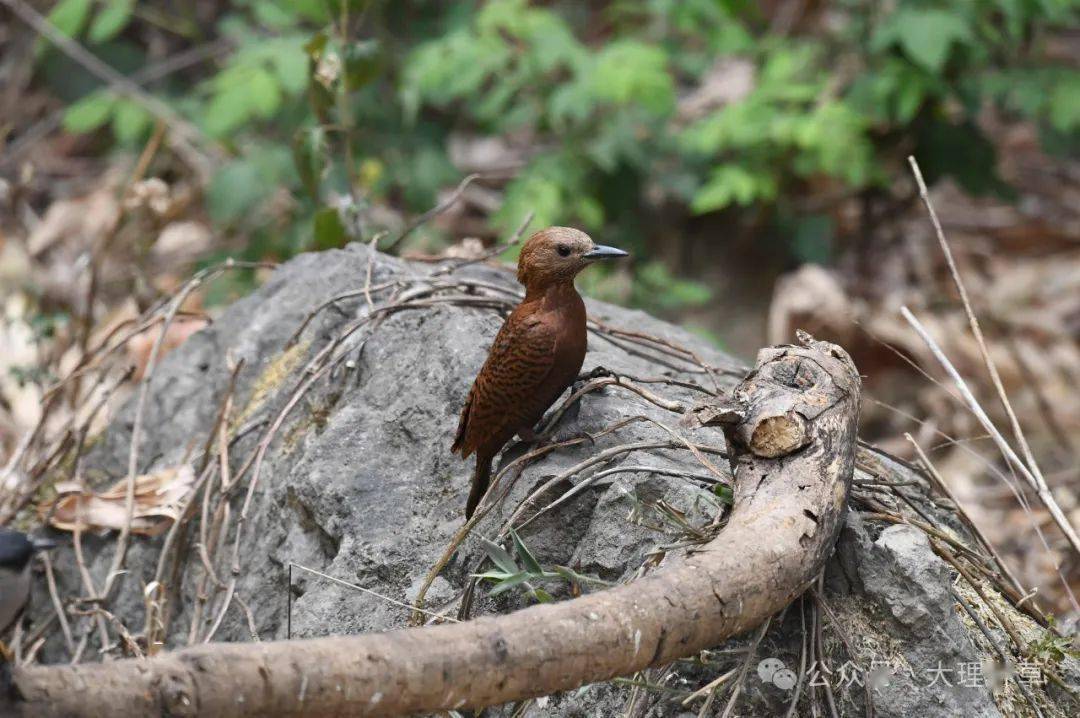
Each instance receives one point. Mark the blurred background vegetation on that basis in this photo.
(632, 120)
(751, 156)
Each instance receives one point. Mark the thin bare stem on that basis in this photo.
(1036, 481)
(976, 330)
(185, 137)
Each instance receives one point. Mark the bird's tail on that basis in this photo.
(481, 479)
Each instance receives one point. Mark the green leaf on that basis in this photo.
(542, 596)
(233, 190)
(111, 20)
(328, 230)
(274, 15)
(89, 113)
(362, 63)
(69, 16)
(573, 576)
(1024, 91)
(530, 191)
(264, 93)
(499, 556)
(926, 36)
(570, 104)
(1065, 103)
(529, 561)
(733, 184)
(454, 66)
(313, 10)
(291, 65)
(628, 71)
(516, 580)
(130, 122)
(909, 98)
(724, 493)
(228, 110)
(494, 575)
(656, 284)
(310, 156)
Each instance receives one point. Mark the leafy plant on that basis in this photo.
(1052, 648)
(366, 96)
(508, 575)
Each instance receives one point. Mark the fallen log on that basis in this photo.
(791, 428)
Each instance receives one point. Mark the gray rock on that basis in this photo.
(359, 484)
(904, 594)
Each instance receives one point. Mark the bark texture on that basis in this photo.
(791, 428)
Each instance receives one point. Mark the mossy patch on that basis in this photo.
(269, 381)
(1007, 697)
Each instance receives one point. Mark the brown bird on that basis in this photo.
(537, 353)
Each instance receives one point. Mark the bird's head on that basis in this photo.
(557, 254)
(16, 548)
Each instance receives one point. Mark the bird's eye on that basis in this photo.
(563, 250)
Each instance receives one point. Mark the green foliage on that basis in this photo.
(365, 96)
(630, 72)
(655, 286)
(110, 20)
(926, 36)
(1052, 648)
(733, 184)
(254, 84)
(241, 185)
(1064, 104)
(509, 574)
(89, 113)
(70, 16)
(130, 121)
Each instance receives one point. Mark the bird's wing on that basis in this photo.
(504, 393)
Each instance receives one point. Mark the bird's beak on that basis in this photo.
(599, 251)
(42, 544)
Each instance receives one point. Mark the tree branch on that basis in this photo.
(791, 433)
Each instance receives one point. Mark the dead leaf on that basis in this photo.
(728, 81)
(159, 500)
(182, 241)
(79, 222)
(157, 198)
(140, 346)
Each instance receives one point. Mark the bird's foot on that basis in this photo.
(529, 435)
(561, 437)
(574, 436)
(596, 372)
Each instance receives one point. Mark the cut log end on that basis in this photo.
(776, 436)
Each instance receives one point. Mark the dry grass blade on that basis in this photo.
(1030, 466)
(973, 322)
(369, 592)
(938, 479)
(997, 647)
(434, 211)
(1034, 480)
